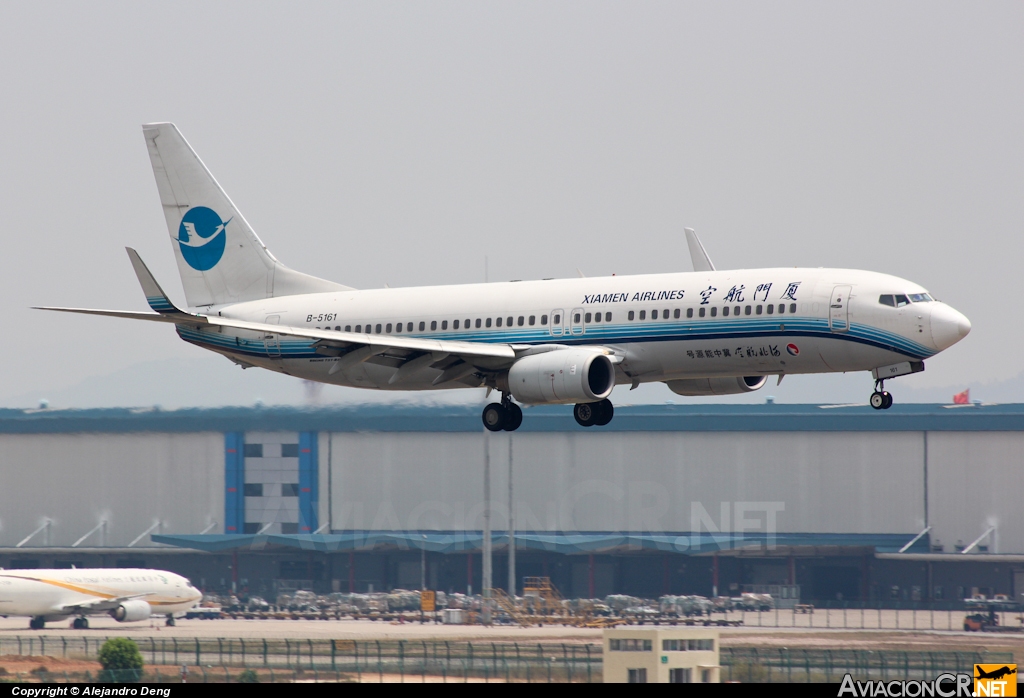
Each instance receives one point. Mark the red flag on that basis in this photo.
(963, 398)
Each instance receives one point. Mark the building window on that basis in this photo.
(701, 645)
(630, 645)
(254, 489)
(252, 528)
(637, 675)
(679, 675)
(289, 450)
(705, 676)
(254, 450)
(289, 529)
(289, 489)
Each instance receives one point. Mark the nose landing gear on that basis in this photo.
(880, 399)
(505, 415)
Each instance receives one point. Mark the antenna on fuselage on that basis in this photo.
(698, 256)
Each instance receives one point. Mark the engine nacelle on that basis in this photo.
(562, 376)
(716, 386)
(131, 611)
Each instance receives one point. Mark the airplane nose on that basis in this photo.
(948, 326)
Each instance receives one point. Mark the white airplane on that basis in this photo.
(127, 595)
(568, 341)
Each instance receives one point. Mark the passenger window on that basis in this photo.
(576, 318)
(433, 324)
(498, 322)
(533, 320)
(736, 310)
(886, 299)
(388, 328)
(557, 320)
(359, 328)
(631, 315)
(587, 318)
(543, 319)
(378, 328)
(408, 327)
(792, 307)
(701, 311)
(423, 326)
(444, 324)
(725, 311)
(510, 322)
(466, 325)
(782, 308)
(337, 328)
(901, 301)
(607, 317)
(654, 314)
(478, 323)
(488, 322)
(689, 312)
(770, 308)
(758, 311)
(520, 321)
(455, 325)
(675, 314)
(643, 314)
(746, 310)
(597, 317)
(714, 311)
(348, 328)
(664, 313)
(398, 327)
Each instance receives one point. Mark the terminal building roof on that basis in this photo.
(554, 418)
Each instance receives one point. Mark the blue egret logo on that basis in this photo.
(201, 237)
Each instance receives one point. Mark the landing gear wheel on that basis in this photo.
(586, 413)
(494, 417)
(513, 417)
(888, 400)
(170, 621)
(878, 400)
(605, 412)
(37, 623)
(80, 624)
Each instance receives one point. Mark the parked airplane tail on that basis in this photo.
(220, 258)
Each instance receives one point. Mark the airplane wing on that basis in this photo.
(457, 359)
(100, 605)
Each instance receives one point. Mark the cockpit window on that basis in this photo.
(886, 299)
(901, 300)
(898, 300)
(920, 298)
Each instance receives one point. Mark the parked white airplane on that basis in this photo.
(127, 595)
(705, 332)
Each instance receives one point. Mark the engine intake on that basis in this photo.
(716, 386)
(131, 611)
(562, 376)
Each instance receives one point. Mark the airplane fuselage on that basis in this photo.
(665, 326)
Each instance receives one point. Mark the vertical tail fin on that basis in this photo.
(220, 258)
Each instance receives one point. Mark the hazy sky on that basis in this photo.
(401, 143)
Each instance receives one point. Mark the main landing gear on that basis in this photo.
(170, 620)
(37, 623)
(505, 415)
(880, 399)
(590, 414)
(80, 623)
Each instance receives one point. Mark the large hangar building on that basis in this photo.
(832, 503)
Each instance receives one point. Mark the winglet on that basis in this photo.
(698, 257)
(155, 295)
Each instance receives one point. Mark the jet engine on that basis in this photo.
(562, 376)
(716, 386)
(131, 611)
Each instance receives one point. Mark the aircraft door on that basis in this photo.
(839, 309)
(557, 316)
(273, 341)
(577, 321)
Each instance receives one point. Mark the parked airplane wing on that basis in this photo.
(101, 605)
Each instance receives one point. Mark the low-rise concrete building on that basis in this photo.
(665, 654)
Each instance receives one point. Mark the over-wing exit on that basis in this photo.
(566, 341)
